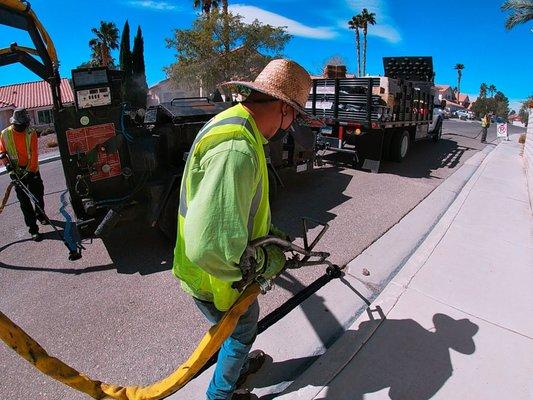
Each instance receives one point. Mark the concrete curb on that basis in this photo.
(46, 159)
(528, 158)
(328, 366)
(296, 341)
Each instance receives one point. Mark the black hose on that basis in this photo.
(465, 136)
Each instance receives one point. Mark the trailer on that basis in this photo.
(376, 118)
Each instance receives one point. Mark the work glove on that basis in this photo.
(274, 261)
(279, 233)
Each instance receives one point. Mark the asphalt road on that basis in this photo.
(119, 315)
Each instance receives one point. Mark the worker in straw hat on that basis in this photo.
(19, 142)
(224, 205)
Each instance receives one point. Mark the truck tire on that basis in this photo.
(400, 145)
(437, 132)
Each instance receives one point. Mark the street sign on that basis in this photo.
(501, 131)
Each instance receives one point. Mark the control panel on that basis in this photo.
(93, 97)
(92, 87)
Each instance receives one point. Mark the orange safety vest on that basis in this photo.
(8, 140)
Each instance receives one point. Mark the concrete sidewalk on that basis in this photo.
(457, 321)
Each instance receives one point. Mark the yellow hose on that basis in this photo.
(17, 5)
(6, 196)
(31, 351)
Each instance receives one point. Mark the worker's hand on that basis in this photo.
(274, 261)
(279, 233)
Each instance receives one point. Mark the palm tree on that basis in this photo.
(459, 68)
(367, 18)
(356, 23)
(521, 12)
(483, 90)
(207, 5)
(492, 89)
(106, 40)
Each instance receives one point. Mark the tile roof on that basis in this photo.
(33, 94)
(463, 97)
(442, 88)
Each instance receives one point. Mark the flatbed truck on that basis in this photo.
(377, 118)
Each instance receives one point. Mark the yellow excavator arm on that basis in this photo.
(42, 58)
(24, 8)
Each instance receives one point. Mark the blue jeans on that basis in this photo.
(231, 361)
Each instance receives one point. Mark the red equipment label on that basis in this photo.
(82, 140)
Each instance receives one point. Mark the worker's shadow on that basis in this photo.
(46, 236)
(414, 362)
(132, 248)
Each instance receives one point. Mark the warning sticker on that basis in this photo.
(82, 140)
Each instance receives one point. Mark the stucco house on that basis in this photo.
(163, 92)
(464, 100)
(36, 97)
(445, 92)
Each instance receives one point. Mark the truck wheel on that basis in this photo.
(437, 133)
(400, 145)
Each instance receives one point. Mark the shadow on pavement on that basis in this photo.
(426, 156)
(136, 248)
(401, 356)
(52, 235)
(423, 159)
(312, 194)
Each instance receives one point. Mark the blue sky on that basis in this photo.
(469, 32)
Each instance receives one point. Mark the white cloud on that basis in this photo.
(154, 5)
(386, 32)
(515, 104)
(472, 97)
(385, 25)
(251, 13)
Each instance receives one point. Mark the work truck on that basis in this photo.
(377, 118)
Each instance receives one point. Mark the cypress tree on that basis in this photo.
(125, 52)
(138, 69)
(125, 62)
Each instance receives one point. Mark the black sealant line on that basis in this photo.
(292, 303)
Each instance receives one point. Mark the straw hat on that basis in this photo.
(282, 79)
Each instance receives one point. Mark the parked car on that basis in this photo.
(462, 114)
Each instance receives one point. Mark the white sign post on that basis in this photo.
(501, 131)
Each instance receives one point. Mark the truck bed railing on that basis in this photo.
(355, 100)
